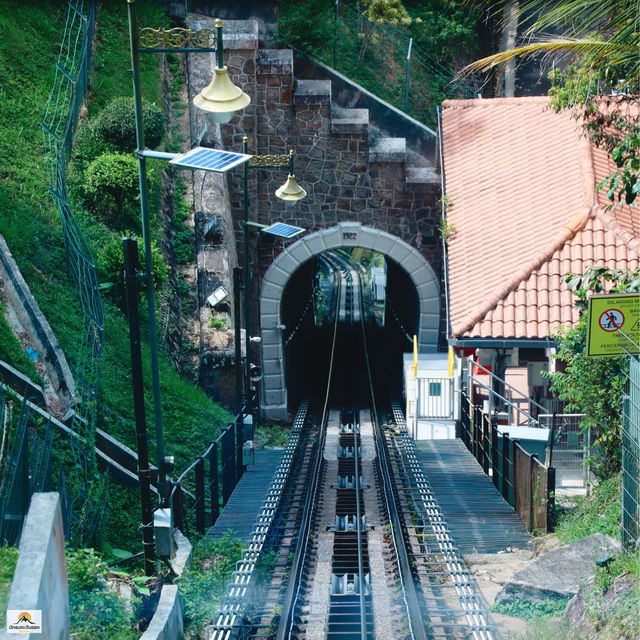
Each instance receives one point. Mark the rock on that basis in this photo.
(558, 573)
(590, 616)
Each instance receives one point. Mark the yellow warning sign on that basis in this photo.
(614, 324)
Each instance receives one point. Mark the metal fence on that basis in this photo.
(58, 127)
(384, 60)
(525, 483)
(631, 458)
(207, 484)
(26, 467)
(568, 449)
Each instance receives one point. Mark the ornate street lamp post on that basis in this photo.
(222, 99)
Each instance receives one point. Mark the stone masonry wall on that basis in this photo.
(348, 175)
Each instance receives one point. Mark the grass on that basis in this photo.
(203, 584)
(11, 350)
(8, 560)
(599, 513)
(31, 34)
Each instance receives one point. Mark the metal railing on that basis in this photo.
(383, 58)
(27, 440)
(205, 486)
(506, 403)
(525, 483)
(568, 449)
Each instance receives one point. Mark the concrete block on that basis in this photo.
(422, 176)
(349, 120)
(167, 623)
(312, 92)
(272, 367)
(240, 34)
(40, 578)
(388, 150)
(275, 61)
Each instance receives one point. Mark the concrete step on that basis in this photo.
(422, 179)
(312, 92)
(388, 150)
(349, 120)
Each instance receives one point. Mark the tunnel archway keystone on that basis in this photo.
(345, 234)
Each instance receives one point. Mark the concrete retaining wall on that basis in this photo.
(25, 315)
(40, 578)
(166, 623)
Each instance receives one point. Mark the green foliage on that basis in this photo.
(116, 125)
(531, 610)
(110, 267)
(270, 435)
(217, 322)
(111, 74)
(203, 584)
(94, 609)
(12, 352)
(600, 512)
(373, 52)
(8, 560)
(112, 190)
(602, 39)
(594, 386)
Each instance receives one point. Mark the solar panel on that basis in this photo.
(283, 230)
(209, 159)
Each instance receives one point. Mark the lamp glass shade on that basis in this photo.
(291, 191)
(221, 97)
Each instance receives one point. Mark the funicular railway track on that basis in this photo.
(358, 548)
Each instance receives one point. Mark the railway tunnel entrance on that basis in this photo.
(292, 341)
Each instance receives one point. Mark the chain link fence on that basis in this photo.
(631, 458)
(58, 127)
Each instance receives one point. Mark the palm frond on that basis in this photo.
(597, 52)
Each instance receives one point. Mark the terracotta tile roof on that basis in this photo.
(521, 183)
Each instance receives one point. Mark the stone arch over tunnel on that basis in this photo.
(345, 234)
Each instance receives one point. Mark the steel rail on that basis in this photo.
(356, 454)
(463, 585)
(412, 601)
(236, 598)
(293, 588)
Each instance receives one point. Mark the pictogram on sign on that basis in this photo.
(611, 320)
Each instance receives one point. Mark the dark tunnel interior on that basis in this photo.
(308, 348)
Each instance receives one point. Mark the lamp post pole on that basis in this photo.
(291, 193)
(247, 283)
(146, 236)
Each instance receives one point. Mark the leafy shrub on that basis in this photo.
(112, 190)
(202, 585)
(116, 125)
(110, 267)
(529, 610)
(94, 610)
(217, 322)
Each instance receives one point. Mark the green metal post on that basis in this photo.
(247, 308)
(407, 77)
(146, 235)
